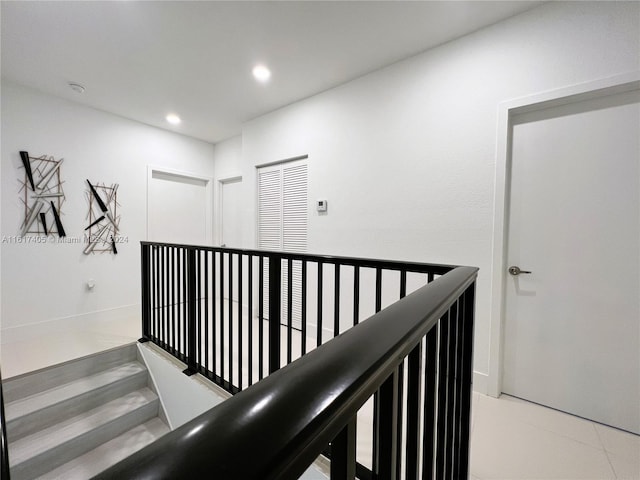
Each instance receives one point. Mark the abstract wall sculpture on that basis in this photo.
(42, 195)
(103, 219)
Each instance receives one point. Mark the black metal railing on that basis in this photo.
(235, 316)
(414, 357)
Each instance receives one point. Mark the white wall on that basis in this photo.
(47, 282)
(183, 397)
(406, 155)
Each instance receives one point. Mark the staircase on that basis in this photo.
(74, 420)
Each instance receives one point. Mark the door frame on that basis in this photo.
(208, 181)
(491, 384)
(220, 181)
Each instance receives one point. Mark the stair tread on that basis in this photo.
(109, 453)
(28, 447)
(24, 385)
(35, 402)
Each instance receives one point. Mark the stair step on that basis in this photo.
(41, 410)
(108, 454)
(40, 452)
(31, 383)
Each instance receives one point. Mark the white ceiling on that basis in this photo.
(144, 59)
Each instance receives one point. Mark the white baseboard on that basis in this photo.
(480, 382)
(83, 322)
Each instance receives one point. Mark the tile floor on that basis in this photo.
(510, 439)
(513, 439)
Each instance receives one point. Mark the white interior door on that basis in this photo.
(231, 226)
(231, 211)
(282, 224)
(572, 326)
(178, 209)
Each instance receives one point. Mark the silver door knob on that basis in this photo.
(517, 271)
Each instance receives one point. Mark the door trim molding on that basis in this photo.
(506, 110)
(208, 181)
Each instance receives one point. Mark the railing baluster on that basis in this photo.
(214, 322)
(174, 306)
(275, 298)
(240, 322)
(167, 298)
(414, 374)
(221, 321)
(378, 289)
(336, 300)
(399, 422)
(459, 388)
(261, 318)
(146, 297)
(343, 453)
(206, 311)
(468, 302)
(230, 310)
(154, 284)
(452, 438)
(163, 298)
(185, 305)
(356, 294)
(289, 310)
(430, 389)
(376, 396)
(319, 306)
(250, 319)
(387, 429)
(192, 296)
(441, 426)
(178, 306)
(303, 311)
(158, 298)
(198, 308)
(401, 400)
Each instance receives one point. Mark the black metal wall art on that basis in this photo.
(42, 195)
(103, 219)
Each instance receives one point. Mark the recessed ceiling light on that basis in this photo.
(76, 87)
(261, 73)
(173, 119)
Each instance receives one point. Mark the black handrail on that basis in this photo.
(4, 445)
(418, 267)
(277, 427)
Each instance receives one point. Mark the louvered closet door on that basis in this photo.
(282, 225)
(270, 208)
(294, 233)
(269, 220)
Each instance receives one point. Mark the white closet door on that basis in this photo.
(270, 208)
(294, 233)
(294, 208)
(282, 224)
